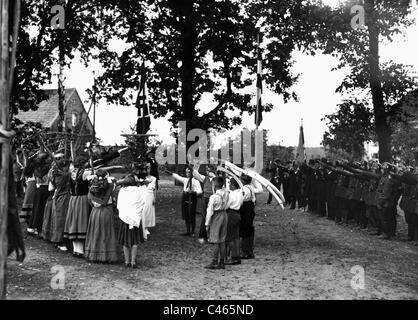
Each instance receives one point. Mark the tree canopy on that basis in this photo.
(193, 48)
(382, 83)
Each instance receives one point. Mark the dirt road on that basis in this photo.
(298, 256)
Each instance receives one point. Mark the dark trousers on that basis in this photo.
(301, 200)
(353, 210)
(411, 220)
(292, 201)
(312, 204)
(331, 210)
(188, 208)
(270, 198)
(246, 228)
(372, 216)
(321, 207)
(202, 231)
(362, 215)
(341, 214)
(388, 220)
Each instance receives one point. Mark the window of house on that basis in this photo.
(75, 119)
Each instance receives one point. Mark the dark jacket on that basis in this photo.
(388, 192)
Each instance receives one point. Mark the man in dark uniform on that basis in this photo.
(356, 208)
(321, 185)
(341, 212)
(285, 183)
(409, 202)
(331, 182)
(275, 177)
(387, 196)
(301, 186)
(154, 165)
(313, 190)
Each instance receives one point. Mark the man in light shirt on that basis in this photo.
(206, 181)
(236, 198)
(216, 223)
(251, 188)
(191, 189)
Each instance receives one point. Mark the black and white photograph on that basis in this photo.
(208, 154)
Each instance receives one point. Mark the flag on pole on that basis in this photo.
(259, 110)
(301, 156)
(144, 121)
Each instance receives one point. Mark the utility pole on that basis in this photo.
(4, 139)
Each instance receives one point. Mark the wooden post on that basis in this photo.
(4, 144)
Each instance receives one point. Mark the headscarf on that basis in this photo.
(100, 185)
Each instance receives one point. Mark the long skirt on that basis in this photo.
(59, 215)
(39, 202)
(46, 225)
(218, 227)
(130, 237)
(77, 218)
(100, 237)
(246, 228)
(27, 205)
(234, 220)
(148, 212)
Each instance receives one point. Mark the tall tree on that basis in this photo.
(38, 43)
(359, 49)
(194, 48)
(349, 128)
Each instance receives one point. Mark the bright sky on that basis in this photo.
(315, 88)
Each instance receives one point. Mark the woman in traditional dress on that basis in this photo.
(62, 177)
(78, 208)
(42, 166)
(46, 225)
(150, 196)
(100, 237)
(131, 200)
(29, 174)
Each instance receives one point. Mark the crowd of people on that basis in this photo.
(72, 205)
(228, 211)
(364, 193)
(89, 213)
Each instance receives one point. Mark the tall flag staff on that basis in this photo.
(143, 120)
(301, 154)
(259, 107)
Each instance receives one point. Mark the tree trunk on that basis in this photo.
(188, 67)
(4, 145)
(382, 126)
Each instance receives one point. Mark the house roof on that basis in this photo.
(47, 111)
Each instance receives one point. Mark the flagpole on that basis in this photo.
(257, 160)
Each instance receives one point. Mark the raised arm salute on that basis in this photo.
(191, 189)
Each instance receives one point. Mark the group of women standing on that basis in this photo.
(76, 209)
